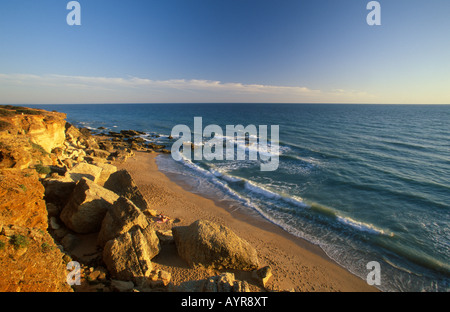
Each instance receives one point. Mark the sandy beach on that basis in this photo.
(296, 264)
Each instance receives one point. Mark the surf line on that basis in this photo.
(237, 135)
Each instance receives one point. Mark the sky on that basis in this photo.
(227, 51)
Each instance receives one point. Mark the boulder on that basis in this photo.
(225, 282)
(70, 241)
(107, 170)
(128, 256)
(121, 155)
(123, 184)
(262, 275)
(58, 190)
(73, 134)
(106, 145)
(98, 153)
(87, 207)
(209, 245)
(120, 218)
(84, 170)
(165, 237)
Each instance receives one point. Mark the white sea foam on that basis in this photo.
(366, 227)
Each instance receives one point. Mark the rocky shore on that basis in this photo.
(63, 199)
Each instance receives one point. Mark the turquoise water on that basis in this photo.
(364, 182)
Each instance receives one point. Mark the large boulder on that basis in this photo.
(87, 207)
(210, 245)
(123, 184)
(128, 256)
(120, 218)
(84, 170)
(107, 170)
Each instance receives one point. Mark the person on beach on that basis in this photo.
(162, 218)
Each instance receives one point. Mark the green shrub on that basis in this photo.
(46, 247)
(6, 113)
(42, 169)
(19, 241)
(39, 148)
(27, 111)
(4, 125)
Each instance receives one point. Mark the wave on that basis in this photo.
(258, 189)
(416, 256)
(365, 227)
(222, 178)
(212, 175)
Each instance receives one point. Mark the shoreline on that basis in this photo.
(297, 265)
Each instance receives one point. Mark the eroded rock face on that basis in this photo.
(27, 136)
(29, 258)
(207, 244)
(87, 207)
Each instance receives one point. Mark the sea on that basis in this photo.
(365, 183)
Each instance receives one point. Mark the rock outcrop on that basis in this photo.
(29, 259)
(206, 244)
(28, 136)
(87, 207)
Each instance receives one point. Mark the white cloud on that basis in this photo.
(29, 89)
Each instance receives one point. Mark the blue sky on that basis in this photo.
(313, 51)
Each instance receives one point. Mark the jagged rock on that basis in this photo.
(122, 155)
(68, 163)
(120, 218)
(128, 256)
(262, 275)
(87, 207)
(206, 244)
(131, 133)
(225, 282)
(98, 153)
(107, 170)
(123, 184)
(106, 145)
(165, 237)
(72, 134)
(159, 278)
(84, 170)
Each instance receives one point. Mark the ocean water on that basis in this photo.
(363, 182)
